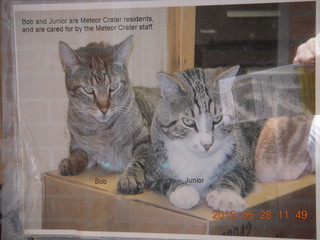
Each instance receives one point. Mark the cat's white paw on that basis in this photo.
(226, 200)
(184, 197)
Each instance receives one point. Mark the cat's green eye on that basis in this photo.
(88, 90)
(217, 120)
(188, 122)
(113, 87)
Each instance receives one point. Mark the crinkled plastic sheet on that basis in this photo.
(20, 176)
(21, 182)
(11, 194)
(272, 93)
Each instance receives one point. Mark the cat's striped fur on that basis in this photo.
(282, 149)
(191, 141)
(106, 125)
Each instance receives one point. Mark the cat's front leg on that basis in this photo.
(228, 194)
(76, 163)
(180, 194)
(226, 200)
(133, 180)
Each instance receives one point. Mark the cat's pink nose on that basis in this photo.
(207, 147)
(103, 106)
(104, 110)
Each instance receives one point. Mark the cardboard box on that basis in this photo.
(90, 202)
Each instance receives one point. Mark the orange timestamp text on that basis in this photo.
(261, 214)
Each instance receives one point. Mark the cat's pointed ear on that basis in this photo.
(123, 50)
(69, 58)
(169, 85)
(216, 74)
(229, 73)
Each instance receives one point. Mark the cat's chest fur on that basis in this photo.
(113, 158)
(197, 171)
(106, 148)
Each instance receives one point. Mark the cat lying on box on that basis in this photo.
(108, 119)
(196, 153)
(190, 140)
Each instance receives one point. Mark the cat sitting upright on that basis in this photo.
(194, 151)
(106, 124)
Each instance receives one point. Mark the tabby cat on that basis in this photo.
(104, 118)
(194, 152)
(285, 149)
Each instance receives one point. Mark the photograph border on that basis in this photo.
(10, 148)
